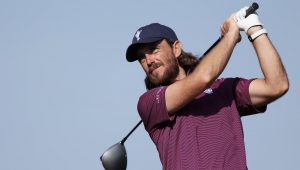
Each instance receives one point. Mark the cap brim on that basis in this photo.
(131, 50)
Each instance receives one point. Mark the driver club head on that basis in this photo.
(115, 158)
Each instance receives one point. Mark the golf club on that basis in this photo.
(115, 157)
(249, 11)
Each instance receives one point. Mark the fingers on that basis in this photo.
(230, 26)
(240, 14)
(223, 30)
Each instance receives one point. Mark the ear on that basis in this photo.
(177, 48)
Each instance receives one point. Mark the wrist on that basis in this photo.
(254, 29)
(258, 33)
(234, 35)
(232, 38)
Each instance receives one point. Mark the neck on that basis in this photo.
(181, 74)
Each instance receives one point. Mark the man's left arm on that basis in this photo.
(275, 82)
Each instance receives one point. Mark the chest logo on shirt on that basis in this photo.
(158, 93)
(208, 91)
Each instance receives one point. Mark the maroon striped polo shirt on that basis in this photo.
(205, 134)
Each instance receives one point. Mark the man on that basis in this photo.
(192, 117)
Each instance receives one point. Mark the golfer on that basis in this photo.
(192, 116)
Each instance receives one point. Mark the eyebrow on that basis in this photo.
(148, 48)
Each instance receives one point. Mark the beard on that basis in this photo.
(168, 77)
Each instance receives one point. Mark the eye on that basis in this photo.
(142, 59)
(140, 55)
(155, 51)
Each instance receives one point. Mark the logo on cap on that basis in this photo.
(137, 35)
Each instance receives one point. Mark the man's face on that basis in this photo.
(159, 63)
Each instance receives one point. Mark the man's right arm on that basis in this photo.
(211, 66)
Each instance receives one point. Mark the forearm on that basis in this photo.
(273, 70)
(275, 81)
(210, 67)
(182, 92)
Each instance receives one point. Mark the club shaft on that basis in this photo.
(125, 138)
(249, 11)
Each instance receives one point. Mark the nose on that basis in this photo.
(149, 59)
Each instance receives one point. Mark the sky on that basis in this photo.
(67, 93)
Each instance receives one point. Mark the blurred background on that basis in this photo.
(67, 92)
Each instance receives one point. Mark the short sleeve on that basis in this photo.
(152, 108)
(242, 97)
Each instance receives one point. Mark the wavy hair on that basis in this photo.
(186, 60)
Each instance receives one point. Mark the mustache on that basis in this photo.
(153, 66)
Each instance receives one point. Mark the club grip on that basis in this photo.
(251, 9)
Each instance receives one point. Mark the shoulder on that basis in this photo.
(154, 96)
(153, 93)
(233, 85)
(152, 108)
(226, 82)
(232, 81)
